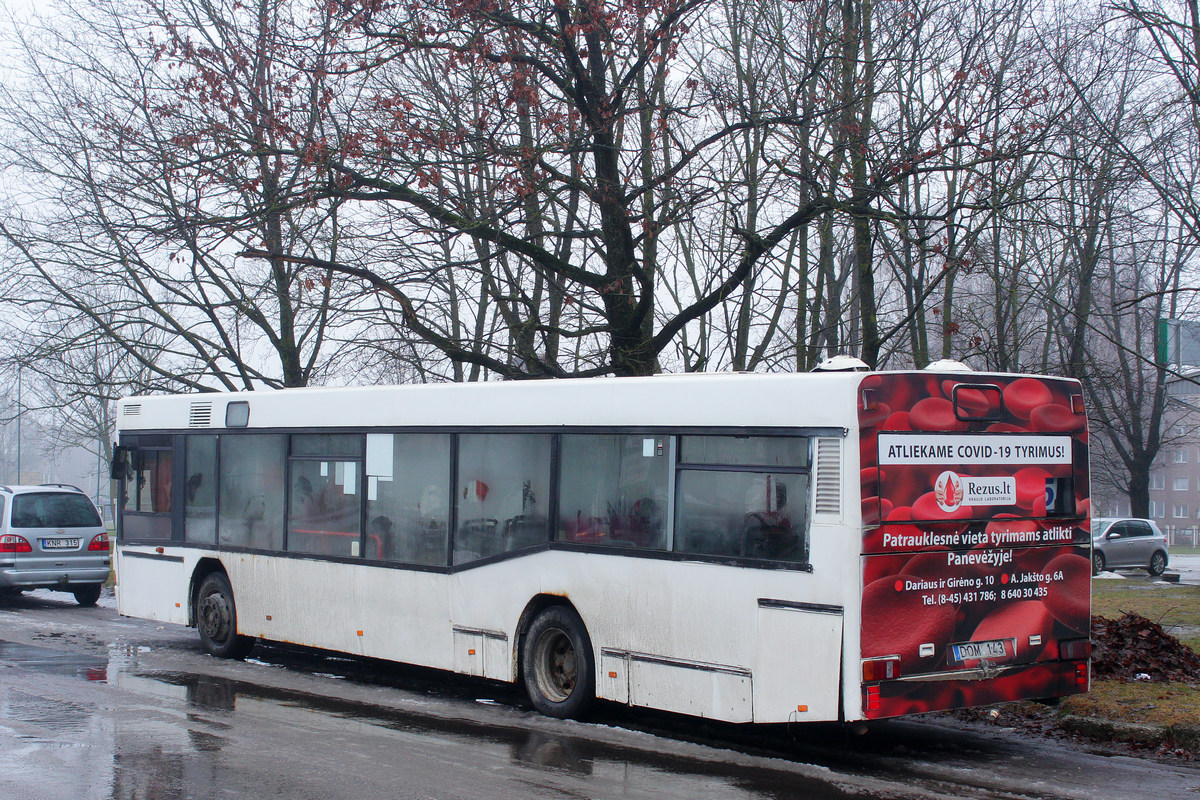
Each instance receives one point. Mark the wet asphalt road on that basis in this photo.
(1187, 567)
(94, 706)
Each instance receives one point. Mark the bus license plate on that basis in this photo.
(60, 544)
(973, 651)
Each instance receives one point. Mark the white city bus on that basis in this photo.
(749, 548)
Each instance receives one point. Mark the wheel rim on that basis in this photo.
(555, 667)
(216, 620)
(1158, 563)
(1098, 562)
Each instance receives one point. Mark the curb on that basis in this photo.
(1186, 737)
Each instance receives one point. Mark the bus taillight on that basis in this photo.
(11, 543)
(1081, 674)
(881, 669)
(873, 702)
(1073, 649)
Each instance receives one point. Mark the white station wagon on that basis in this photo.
(52, 537)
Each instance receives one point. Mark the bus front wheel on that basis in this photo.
(558, 667)
(216, 619)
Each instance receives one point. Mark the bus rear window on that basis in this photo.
(53, 510)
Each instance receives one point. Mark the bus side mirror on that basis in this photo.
(119, 468)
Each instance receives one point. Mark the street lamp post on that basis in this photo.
(20, 410)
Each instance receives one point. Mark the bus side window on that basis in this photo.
(613, 490)
(147, 490)
(744, 497)
(502, 493)
(252, 490)
(408, 491)
(200, 489)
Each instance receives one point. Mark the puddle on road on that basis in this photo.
(544, 751)
(58, 717)
(55, 662)
(197, 745)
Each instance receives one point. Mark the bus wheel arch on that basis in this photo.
(204, 568)
(214, 612)
(556, 662)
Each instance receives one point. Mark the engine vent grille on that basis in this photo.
(828, 483)
(201, 414)
(133, 409)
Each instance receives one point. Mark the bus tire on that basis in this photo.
(216, 619)
(557, 664)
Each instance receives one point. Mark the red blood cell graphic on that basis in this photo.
(1030, 559)
(900, 622)
(900, 514)
(906, 484)
(898, 421)
(926, 507)
(935, 414)
(1069, 599)
(868, 451)
(1031, 487)
(868, 478)
(1039, 506)
(1025, 394)
(874, 509)
(1053, 417)
(1083, 507)
(1017, 620)
(1000, 522)
(1004, 427)
(872, 540)
(877, 567)
(870, 417)
(932, 565)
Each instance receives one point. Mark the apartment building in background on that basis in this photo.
(1175, 478)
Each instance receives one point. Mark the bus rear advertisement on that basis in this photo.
(976, 571)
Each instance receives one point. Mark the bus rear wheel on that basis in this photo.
(557, 665)
(216, 619)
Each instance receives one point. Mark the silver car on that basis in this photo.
(1127, 542)
(52, 537)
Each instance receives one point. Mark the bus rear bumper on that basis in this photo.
(944, 691)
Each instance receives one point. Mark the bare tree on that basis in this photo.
(142, 146)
